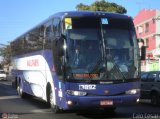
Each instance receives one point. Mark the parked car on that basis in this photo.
(150, 86)
(3, 75)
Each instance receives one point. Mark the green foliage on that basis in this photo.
(102, 6)
(82, 7)
(5, 52)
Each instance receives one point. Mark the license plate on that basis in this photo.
(106, 102)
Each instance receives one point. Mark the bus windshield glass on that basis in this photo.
(101, 49)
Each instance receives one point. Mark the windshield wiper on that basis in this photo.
(95, 67)
(117, 70)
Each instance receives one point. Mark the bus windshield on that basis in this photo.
(84, 50)
(120, 53)
(101, 50)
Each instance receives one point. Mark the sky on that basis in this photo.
(18, 16)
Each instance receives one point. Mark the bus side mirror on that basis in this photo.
(142, 48)
(143, 53)
(63, 46)
(61, 50)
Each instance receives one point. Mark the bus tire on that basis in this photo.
(55, 109)
(20, 89)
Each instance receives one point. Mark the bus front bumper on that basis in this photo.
(83, 102)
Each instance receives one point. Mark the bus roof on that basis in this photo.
(64, 14)
(88, 13)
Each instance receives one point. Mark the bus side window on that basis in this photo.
(19, 46)
(55, 47)
(56, 28)
(48, 35)
(33, 41)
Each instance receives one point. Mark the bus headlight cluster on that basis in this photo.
(76, 93)
(133, 91)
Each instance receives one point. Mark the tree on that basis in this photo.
(81, 6)
(102, 6)
(5, 52)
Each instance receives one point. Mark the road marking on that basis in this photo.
(8, 97)
(41, 111)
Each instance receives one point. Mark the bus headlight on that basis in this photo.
(133, 91)
(76, 93)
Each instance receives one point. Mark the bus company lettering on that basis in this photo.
(33, 62)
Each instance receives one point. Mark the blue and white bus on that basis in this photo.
(78, 60)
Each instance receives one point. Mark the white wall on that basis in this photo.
(157, 21)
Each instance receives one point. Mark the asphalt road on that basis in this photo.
(13, 107)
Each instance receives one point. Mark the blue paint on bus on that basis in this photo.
(92, 63)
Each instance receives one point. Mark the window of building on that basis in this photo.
(153, 21)
(146, 27)
(146, 42)
(140, 29)
(136, 28)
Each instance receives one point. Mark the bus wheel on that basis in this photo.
(54, 107)
(20, 90)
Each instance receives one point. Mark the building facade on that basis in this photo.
(147, 25)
